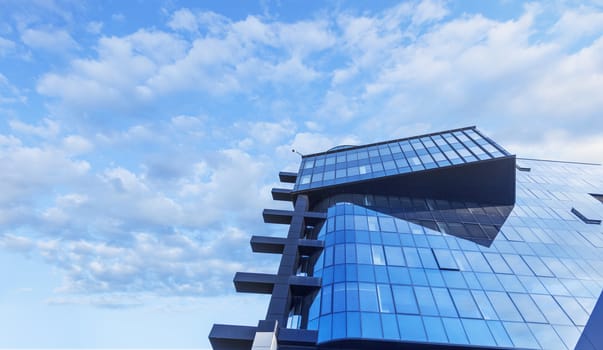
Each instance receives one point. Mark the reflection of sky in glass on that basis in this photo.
(396, 157)
(534, 287)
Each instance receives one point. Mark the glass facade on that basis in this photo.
(442, 240)
(396, 157)
(392, 270)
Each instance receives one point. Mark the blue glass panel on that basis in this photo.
(489, 281)
(546, 336)
(352, 302)
(500, 334)
(435, 329)
(454, 279)
(427, 258)
(339, 325)
(386, 303)
(444, 302)
(353, 322)
(504, 306)
(326, 300)
(569, 335)
(573, 309)
(520, 335)
(527, 308)
(371, 325)
(404, 299)
(411, 328)
(425, 301)
(412, 257)
(434, 278)
(484, 305)
(365, 273)
(478, 332)
(394, 256)
(465, 304)
(418, 277)
(455, 330)
(445, 259)
(511, 283)
(390, 326)
(398, 275)
(551, 310)
(381, 274)
(324, 328)
(339, 292)
(368, 297)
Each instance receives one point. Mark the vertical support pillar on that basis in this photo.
(278, 309)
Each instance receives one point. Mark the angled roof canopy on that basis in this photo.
(462, 164)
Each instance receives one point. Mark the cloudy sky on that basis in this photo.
(139, 140)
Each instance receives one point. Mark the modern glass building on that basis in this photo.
(442, 241)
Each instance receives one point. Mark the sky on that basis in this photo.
(139, 140)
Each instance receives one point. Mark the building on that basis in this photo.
(442, 241)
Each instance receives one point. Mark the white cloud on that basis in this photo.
(6, 46)
(94, 27)
(53, 40)
(49, 129)
(10, 93)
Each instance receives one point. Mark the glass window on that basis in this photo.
(478, 332)
(537, 266)
(394, 256)
(527, 307)
(426, 303)
(546, 336)
(390, 326)
(371, 325)
(378, 257)
(398, 275)
(455, 330)
(386, 303)
(500, 334)
(504, 306)
(465, 304)
(339, 297)
(445, 259)
(435, 330)
(411, 328)
(326, 300)
(339, 324)
(368, 297)
(484, 305)
(363, 252)
(352, 302)
(520, 335)
(324, 328)
(497, 263)
(444, 302)
(573, 309)
(412, 257)
(404, 299)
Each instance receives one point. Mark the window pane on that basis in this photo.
(411, 328)
(404, 298)
(464, 303)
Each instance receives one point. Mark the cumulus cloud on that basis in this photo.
(53, 40)
(225, 57)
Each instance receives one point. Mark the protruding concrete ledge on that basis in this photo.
(248, 282)
(303, 285)
(276, 216)
(282, 194)
(287, 177)
(264, 244)
(276, 245)
(224, 336)
(299, 337)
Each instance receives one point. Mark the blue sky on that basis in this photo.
(139, 140)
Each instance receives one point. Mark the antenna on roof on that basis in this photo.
(294, 151)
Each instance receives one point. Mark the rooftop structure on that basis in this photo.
(442, 241)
